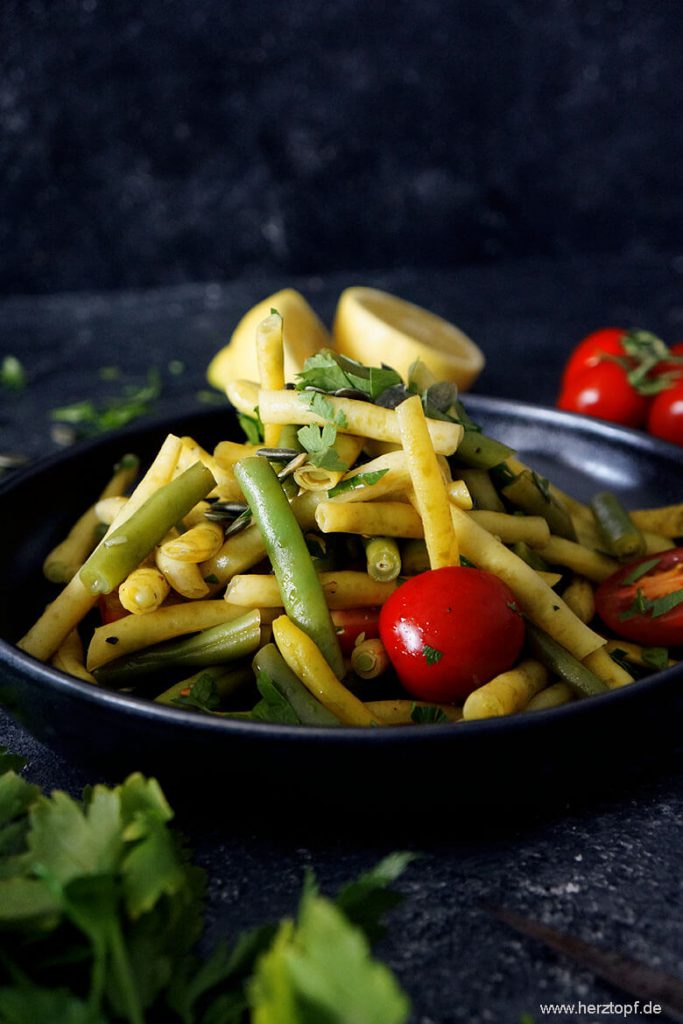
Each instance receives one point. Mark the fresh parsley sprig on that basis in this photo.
(101, 908)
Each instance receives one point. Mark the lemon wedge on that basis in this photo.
(303, 334)
(373, 326)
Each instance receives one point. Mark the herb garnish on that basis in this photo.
(12, 374)
(331, 372)
(429, 715)
(252, 426)
(432, 655)
(639, 570)
(101, 908)
(89, 418)
(353, 483)
(319, 441)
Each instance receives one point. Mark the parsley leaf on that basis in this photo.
(332, 371)
(432, 655)
(421, 715)
(273, 706)
(665, 603)
(319, 443)
(639, 570)
(252, 426)
(353, 483)
(656, 658)
(640, 606)
(324, 408)
(202, 695)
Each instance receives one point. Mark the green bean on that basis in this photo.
(123, 549)
(414, 557)
(621, 535)
(302, 593)
(289, 437)
(226, 642)
(529, 492)
(225, 680)
(478, 451)
(383, 558)
(483, 493)
(308, 710)
(551, 654)
(531, 557)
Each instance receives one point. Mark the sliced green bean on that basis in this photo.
(478, 451)
(302, 593)
(308, 710)
(383, 558)
(414, 557)
(531, 557)
(563, 664)
(483, 493)
(225, 680)
(621, 535)
(124, 548)
(223, 643)
(530, 492)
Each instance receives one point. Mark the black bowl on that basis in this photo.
(583, 747)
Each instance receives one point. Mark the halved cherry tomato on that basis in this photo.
(351, 623)
(603, 391)
(449, 630)
(111, 608)
(633, 602)
(665, 418)
(592, 351)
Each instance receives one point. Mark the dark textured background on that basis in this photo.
(160, 142)
(516, 167)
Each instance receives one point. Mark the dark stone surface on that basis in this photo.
(608, 870)
(148, 144)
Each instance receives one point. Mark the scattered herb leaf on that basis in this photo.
(432, 655)
(428, 715)
(203, 695)
(12, 374)
(353, 483)
(252, 426)
(656, 658)
(639, 570)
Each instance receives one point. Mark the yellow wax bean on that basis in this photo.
(531, 530)
(133, 632)
(197, 544)
(69, 658)
(144, 590)
(306, 660)
(75, 601)
(185, 577)
(370, 518)
(351, 416)
(541, 604)
(580, 597)
(343, 589)
(591, 564)
(270, 359)
(430, 494)
(552, 697)
(399, 712)
(605, 668)
(507, 693)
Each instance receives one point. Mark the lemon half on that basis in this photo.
(373, 326)
(303, 335)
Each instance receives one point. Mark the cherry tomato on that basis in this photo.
(354, 622)
(111, 608)
(671, 367)
(665, 418)
(592, 351)
(604, 392)
(633, 601)
(449, 630)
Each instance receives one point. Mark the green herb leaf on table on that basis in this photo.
(89, 418)
(12, 374)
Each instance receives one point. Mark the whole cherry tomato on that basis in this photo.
(603, 391)
(592, 351)
(643, 601)
(449, 630)
(665, 418)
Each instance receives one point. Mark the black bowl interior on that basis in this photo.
(583, 747)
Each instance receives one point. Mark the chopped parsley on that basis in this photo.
(428, 715)
(432, 655)
(331, 371)
(202, 695)
(353, 483)
(319, 441)
(639, 570)
(656, 658)
(89, 418)
(252, 426)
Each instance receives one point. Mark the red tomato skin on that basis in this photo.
(605, 393)
(670, 367)
(665, 418)
(591, 351)
(612, 599)
(468, 619)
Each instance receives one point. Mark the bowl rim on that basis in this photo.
(60, 683)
